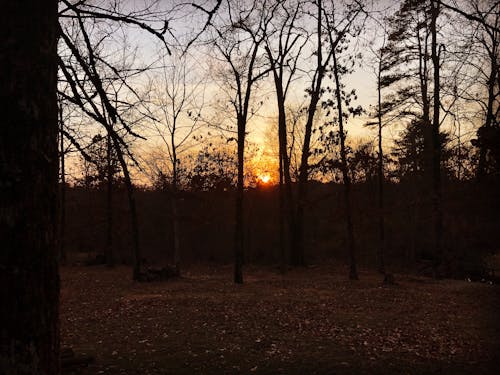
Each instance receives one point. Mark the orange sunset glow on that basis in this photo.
(265, 179)
(250, 186)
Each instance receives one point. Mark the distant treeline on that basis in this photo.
(471, 222)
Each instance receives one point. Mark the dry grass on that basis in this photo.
(309, 321)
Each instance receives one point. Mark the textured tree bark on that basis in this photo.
(29, 292)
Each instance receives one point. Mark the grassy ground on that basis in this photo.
(311, 320)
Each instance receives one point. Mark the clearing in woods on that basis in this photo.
(311, 320)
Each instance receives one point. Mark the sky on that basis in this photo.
(149, 52)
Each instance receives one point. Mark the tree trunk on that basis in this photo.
(109, 204)
(282, 246)
(436, 143)
(285, 187)
(175, 232)
(297, 256)
(62, 192)
(133, 209)
(29, 280)
(381, 224)
(174, 202)
(426, 119)
(490, 117)
(135, 227)
(298, 233)
(353, 272)
(238, 233)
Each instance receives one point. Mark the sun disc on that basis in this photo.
(265, 178)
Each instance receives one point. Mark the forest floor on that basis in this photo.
(309, 321)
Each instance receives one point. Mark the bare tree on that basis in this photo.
(436, 140)
(176, 102)
(342, 103)
(381, 67)
(353, 272)
(284, 42)
(381, 225)
(238, 42)
(96, 83)
(326, 21)
(98, 104)
(477, 17)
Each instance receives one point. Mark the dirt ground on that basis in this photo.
(309, 321)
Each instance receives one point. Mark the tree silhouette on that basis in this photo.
(176, 117)
(238, 43)
(29, 337)
(284, 42)
(328, 21)
(341, 103)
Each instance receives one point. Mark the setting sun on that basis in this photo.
(265, 178)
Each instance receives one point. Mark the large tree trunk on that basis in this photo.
(29, 281)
